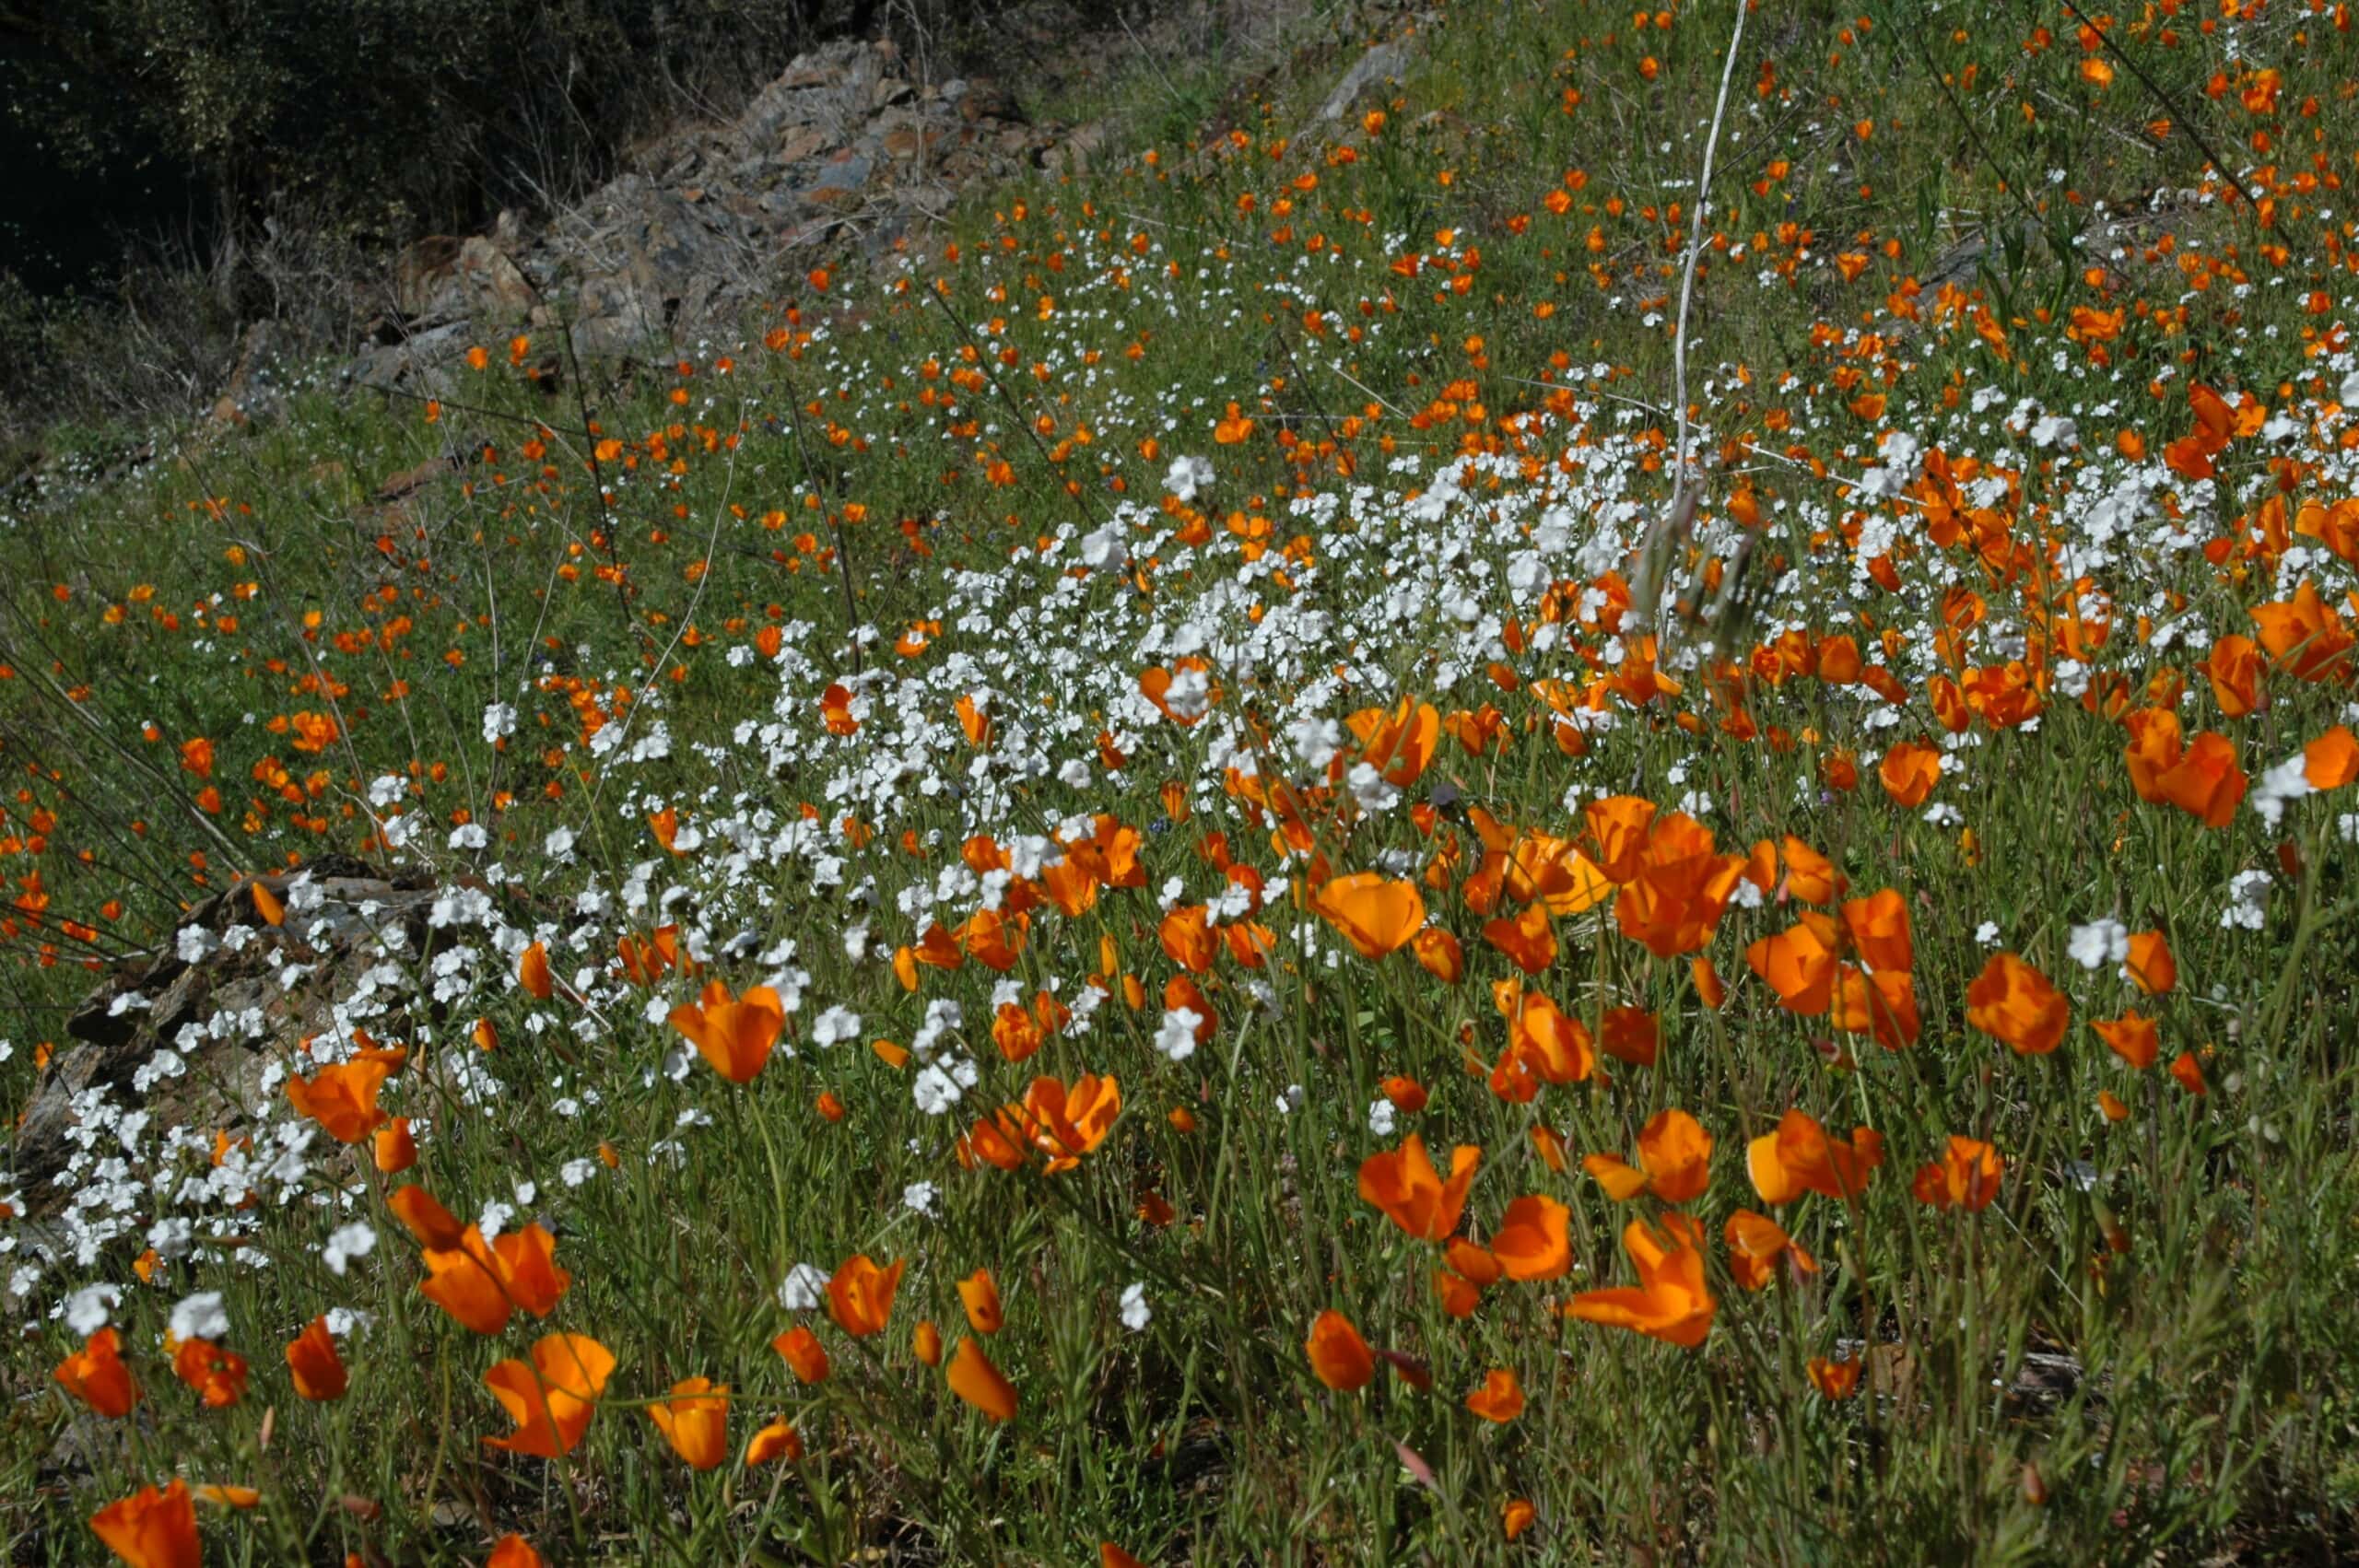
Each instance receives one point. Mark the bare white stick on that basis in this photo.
(1654, 564)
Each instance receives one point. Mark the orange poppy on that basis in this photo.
(152, 1529)
(1439, 954)
(1339, 1357)
(779, 1439)
(974, 1379)
(514, 1551)
(1909, 773)
(1670, 1301)
(1755, 1243)
(695, 1422)
(1189, 939)
(343, 1099)
(1836, 1380)
(2133, 1037)
(1682, 883)
(1800, 1157)
(1549, 1041)
(1377, 914)
(311, 1357)
(1398, 743)
(552, 1399)
(533, 972)
(2332, 760)
(1674, 1161)
(1617, 825)
(2152, 967)
(1531, 1242)
(96, 1376)
(980, 1294)
(1404, 1183)
(1878, 927)
(480, 1284)
(1528, 940)
(1965, 1177)
(803, 1353)
(1799, 964)
(2013, 1003)
(860, 1295)
(217, 1374)
(1500, 1398)
(734, 1034)
(1066, 1122)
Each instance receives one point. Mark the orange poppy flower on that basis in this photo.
(1438, 955)
(1965, 1177)
(2304, 634)
(96, 1376)
(2332, 760)
(1631, 1035)
(1878, 927)
(1066, 1122)
(1550, 871)
(1404, 1183)
(1398, 743)
(1617, 825)
(1909, 773)
(776, 1441)
(994, 939)
(1681, 884)
(514, 1551)
(1339, 1357)
(1516, 1516)
(1528, 940)
(1670, 1301)
(395, 1147)
(311, 1357)
(1549, 1041)
(1674, 1161)
(552, 1399)
(1531, 1242)
(533, 973)
(734, 1034)
(2012, 1001)
(152, 1529)
(217, 1374)
(1189, 939)
(925, 1342)
(1810, 876)
(1377, 914)
(2152, 967)
(974, 1379)
(695, 1422)
(2188, 1072)
(426, 1219)
(1755, 1243)
(343, 1099)
(480, 1284)
(2133, 1038)
(2234, 672)
(1800, 1157)
(1799, 964)
(860, 1295)
(1836, 1380)
(804, 1356)
(980, 1294)
(1500, 1398)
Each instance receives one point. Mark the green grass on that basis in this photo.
(2137, 1349)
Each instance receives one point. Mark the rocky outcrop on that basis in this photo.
(186, 1035)
(843, 150)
